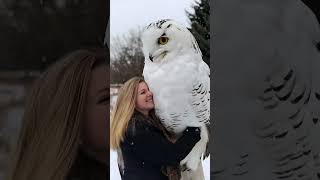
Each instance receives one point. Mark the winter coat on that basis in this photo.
(145, 149)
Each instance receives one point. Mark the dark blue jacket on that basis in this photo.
(145, 149)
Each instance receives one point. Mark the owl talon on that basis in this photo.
(184, 167)
(190, 164)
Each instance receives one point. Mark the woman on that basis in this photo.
(142, 139)
(65, 124)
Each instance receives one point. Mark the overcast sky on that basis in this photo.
(128, 14)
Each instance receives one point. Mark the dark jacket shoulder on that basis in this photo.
(139, 122)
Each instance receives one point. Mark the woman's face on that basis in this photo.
(144, 102)
(96, 132)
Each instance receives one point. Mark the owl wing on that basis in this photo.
(201, 94)
(201, 99)
(275, 136)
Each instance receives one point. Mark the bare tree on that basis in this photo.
(127, 58)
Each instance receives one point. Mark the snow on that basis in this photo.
(114, 171)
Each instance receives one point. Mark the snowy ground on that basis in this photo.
(11, 111)
(114, 171)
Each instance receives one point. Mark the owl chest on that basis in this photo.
(170, 74)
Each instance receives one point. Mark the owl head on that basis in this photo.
(165, 37)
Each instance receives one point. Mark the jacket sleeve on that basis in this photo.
(151, 145)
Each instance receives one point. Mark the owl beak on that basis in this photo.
(150, 57)
(160, 53)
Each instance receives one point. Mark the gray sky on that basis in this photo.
(128, 14)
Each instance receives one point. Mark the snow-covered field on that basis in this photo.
(114, 171)
(11, 111)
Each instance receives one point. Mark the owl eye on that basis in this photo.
(163, 40)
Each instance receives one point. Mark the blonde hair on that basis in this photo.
(123, 110)
(52, 123)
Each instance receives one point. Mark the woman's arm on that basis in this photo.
(151, 145)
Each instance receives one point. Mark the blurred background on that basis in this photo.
(127, 19)
(34, 34)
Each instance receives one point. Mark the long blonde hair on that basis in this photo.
(123, 110)
(52, 123)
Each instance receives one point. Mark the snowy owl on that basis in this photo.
(180, 82)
